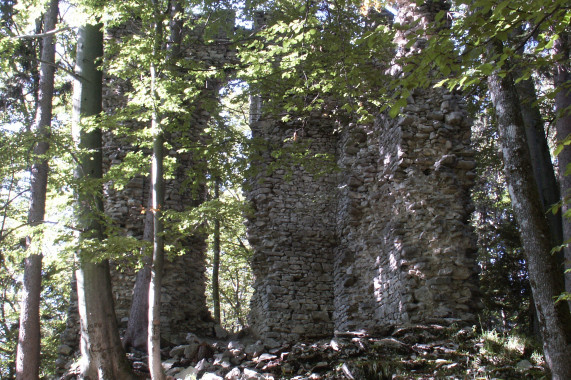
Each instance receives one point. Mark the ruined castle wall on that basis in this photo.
(406, 252)
(400, 247)
(184, 275)
(389, 233)
(366, 230)
(292, 231)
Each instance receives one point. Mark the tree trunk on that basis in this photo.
(543, 169)
(157, 181)
(539, 149)
(562, 82)
(103, 356)
(216, 259)
(158, 195)
(28, 351)
(535, 235)
(137, 327)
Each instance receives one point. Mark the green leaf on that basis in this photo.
(441, 83)
(395, 109)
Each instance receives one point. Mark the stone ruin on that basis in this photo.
(183, 300)
(383, 240)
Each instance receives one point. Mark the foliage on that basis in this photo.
(503, 277)
(318, 58)
(235, 276)
(477, 23)
(314, 59)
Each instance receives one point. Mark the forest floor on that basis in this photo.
(413, 352)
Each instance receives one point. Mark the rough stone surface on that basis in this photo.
(414, 351)
(384, 240)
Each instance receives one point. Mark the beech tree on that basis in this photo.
(554, 320)
(562, 84)
(216, 259)
(102, 353)
(28, 354)
(158, 198)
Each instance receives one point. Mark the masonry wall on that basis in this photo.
(391, 224)
(406, 251)
(292, 232)
(184, 274)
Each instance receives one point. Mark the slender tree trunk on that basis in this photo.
(157, 181)
(158, 196)
(137, 328)
(535, 235)
(562, 82)
(238, 307)
(216, 259)
(28, 351)
(543, 169)
(103, 356)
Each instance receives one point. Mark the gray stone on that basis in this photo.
(189, 373)
(271, 343)
(454, 118)
(168, 364)
(234, 374)
(254, 349)
(524, 365)
(64, 349)
(191, 350)
(250, 374)
(220, 332)
(178, 351)
(235, 346)
(211, 376)
(266, 357)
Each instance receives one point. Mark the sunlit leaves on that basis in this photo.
(306, 57)
(477, 23)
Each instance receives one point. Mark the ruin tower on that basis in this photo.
(183, 298)
(183, 307)
(383, 241)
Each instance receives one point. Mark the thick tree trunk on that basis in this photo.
(562, 82)
(28, 351)
(543, 170)
(539, 150)
(216, 259)
(137, 328)
(103, 356)
(535, 235)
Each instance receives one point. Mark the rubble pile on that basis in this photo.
(413, 352)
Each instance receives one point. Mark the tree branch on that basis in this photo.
(534, 30)
(42, 35)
